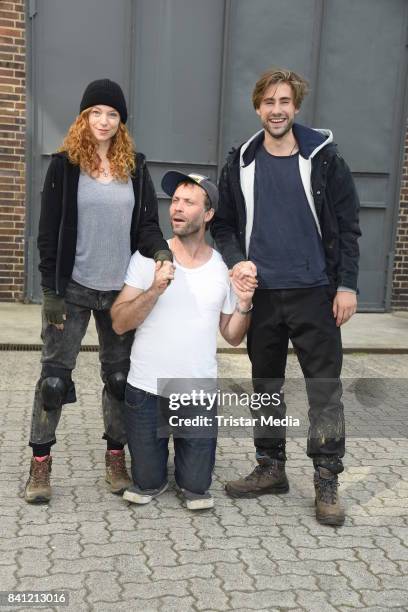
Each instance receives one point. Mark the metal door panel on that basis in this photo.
(178, 58)
(72, 44)
(263, 33)
(358, 78)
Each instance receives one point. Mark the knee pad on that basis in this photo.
(53, 391)
(116, 384)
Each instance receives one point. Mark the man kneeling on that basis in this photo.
(177, 310)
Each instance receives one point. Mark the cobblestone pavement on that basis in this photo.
(267, 554)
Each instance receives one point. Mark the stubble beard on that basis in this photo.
(189, 229)
(275, 135)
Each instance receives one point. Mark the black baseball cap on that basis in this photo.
(172, 179)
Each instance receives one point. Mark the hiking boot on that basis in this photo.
(134, 495)
(328, 508)
(116, 472)
(38, 489)
(265, 478)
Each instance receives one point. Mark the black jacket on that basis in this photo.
(333, 193)
(57, 234)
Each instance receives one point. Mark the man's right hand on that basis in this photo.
(163, 275)
(54, 308)
(244, 275)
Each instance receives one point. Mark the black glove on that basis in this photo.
(163, 255)
(54, 306)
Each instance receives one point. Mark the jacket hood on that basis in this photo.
(60, 154)
(310, 142)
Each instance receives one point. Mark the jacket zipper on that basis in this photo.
(59, 248)
(239, 196)
(139, 208)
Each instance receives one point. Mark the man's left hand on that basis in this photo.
(244, 295)
(344, 306)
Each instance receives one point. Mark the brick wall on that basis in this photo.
(12, 149)
(400, 277)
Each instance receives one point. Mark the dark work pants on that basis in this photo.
(305, 317)
(60, 352)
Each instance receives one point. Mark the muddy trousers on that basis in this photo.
(305, 317)
(59, 355)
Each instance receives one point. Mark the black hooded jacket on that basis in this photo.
(57, 234)
(329, 187)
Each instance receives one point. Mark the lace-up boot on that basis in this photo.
(116, 472)
(38, 488)
(329, 511)
(268, 477)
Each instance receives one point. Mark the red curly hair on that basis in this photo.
(81, 149)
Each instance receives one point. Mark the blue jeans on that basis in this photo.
(146, 419)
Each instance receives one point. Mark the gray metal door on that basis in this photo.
(188, 68)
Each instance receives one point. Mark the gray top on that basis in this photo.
(103, 241)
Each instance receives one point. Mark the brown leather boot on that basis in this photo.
(38, 489)
(269, 478)
(116, 472)
(328, 508)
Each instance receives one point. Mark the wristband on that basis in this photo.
(243, 312)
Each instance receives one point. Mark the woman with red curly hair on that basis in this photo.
(98, 207)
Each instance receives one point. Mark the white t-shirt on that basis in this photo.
(178, 339)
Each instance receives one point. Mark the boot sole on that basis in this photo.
(41, 499)
(335, 521)
(118, 491)
(275, 490)
(330, 520)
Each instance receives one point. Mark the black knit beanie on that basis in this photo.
(105, 91)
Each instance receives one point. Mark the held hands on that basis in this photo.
(244, 296)
(164, 274)
(243, 277)
(344, 306)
